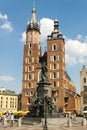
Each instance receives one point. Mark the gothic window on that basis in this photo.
(85, 88)
(84, 80)
(29, 68)
(29, 52)
(26, 93)
(85, 99)
(54, 47)
(85, 108)
(54, 58)
(29, 76)
(55, 75)
(54, 66)
(54, 84)
(29, 85)
(28, 100)
(30, 60)
(30, 45)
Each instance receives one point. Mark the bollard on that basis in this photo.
(19, 122)
(69, 123)
(84, 122)
(11, 123)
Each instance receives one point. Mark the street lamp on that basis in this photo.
(45, 108)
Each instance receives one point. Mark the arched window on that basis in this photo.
(54, 47)
(54, 83)
(55, 75)
(84, 79)
(29, 85)
(54, 58)
(29, 100)
(54, 66)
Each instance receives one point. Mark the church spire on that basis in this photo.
(33, 19)
(33, 24)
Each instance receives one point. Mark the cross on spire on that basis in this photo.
(33, 3)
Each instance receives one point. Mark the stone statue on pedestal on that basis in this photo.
(43, 75)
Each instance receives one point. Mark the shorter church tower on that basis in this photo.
(56, 64)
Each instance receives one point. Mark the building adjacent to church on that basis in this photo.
(83, 88)
(8, 100)
(62, 90)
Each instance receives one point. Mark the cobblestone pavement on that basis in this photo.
(53, 124)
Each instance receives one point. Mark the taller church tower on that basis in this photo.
(32, 52)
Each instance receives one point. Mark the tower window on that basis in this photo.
(29, 76)
(30, 45)
(54, 84)
(55, 75)
(28, 100)
(54, 47)
(29, 85)
(54, 66)
(54, 58)
(84, 80)
(30, 60)
(85, 88)
(29, 68)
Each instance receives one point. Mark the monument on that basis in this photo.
(42, 99)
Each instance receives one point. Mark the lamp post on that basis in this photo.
(45, 108)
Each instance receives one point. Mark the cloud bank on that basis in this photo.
(75, 49)
(5, 24)
(6, 78)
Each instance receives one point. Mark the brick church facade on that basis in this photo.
(62, 90)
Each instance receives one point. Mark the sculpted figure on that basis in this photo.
(44, 72)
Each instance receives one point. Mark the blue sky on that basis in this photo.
(14, 15)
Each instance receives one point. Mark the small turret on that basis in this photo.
(56, 33)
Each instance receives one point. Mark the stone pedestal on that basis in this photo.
(4, 122)
(84, 122)
(43, 86)
(19, 122)
(69, 123)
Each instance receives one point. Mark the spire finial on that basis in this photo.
(33, 3)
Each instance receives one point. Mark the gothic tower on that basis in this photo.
(32, 52)
(56, 64)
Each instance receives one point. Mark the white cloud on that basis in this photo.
(4, 23)
(6, 78)
(76, 51)
(23, 37)
(7, 26)
(46, 27)
(3, 17)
